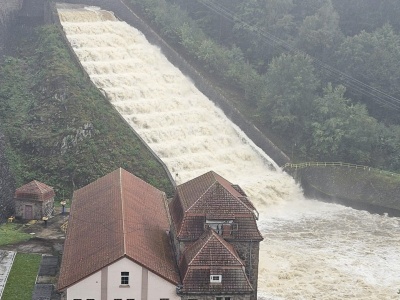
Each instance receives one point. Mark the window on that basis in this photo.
(215, 278)
(124, 278)
(223, 298)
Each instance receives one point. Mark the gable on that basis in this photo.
(118, 215)
(212, 255)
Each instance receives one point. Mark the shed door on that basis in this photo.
(28, 212)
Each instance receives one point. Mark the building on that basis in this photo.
(211, 202)
(34, 200)
(117, 244)
(126, 240)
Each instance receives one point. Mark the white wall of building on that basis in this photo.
(114, 288)
(150, 287)
(88, 288)
(159, 288)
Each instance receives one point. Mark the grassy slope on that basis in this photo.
(10, 234)
(46, 102)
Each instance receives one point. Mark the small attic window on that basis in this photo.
(215, 278)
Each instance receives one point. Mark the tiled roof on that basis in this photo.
(197, 194)
(211, 197)
(212, 255)
(34, 190)
(118, 215)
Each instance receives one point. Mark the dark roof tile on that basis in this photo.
(118, 215)
(34, 190)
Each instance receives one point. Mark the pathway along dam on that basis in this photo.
(312, 250)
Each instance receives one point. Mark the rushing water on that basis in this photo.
(312, 250)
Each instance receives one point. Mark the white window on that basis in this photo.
(215, 278)
(124, 278)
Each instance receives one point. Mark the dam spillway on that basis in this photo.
(311, 249)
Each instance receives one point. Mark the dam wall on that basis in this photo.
(8, 12)
(122, 11)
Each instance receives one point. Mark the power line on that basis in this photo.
(379, 96)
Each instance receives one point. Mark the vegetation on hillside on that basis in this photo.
(296, 67)
(60, 129)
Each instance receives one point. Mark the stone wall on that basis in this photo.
(361, 189)
(8, 13)
(249, 252)
(7, 185)
(213, 297)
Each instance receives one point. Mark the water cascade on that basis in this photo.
(312, 250)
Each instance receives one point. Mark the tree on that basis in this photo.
(289, 93)
(319, 34)
(374, 59)
(341, 130)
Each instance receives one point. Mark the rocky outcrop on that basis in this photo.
(7, 185)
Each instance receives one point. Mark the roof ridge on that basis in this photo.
(223, 242)
(198, 199)
(122, 210)
(201, 248)
(238, 198)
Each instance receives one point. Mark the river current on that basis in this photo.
(311, 249)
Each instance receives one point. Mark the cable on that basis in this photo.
(381, 97)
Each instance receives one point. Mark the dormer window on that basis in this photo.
(222, 227)
(215, 278)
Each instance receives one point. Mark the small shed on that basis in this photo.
(34, 200)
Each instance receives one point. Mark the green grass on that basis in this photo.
(21, 281)
(11, 234)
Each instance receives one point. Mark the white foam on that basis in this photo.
(312, 250)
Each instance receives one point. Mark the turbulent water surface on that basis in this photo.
(312, 250)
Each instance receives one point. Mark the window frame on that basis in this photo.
(213, 278)
(124, 278)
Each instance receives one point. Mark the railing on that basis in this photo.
(64, 227)
(335, 164)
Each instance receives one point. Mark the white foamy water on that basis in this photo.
(312, 250)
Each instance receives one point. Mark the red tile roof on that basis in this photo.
(212, 255)
(118, 215)
(211, 197)
(35, 190)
